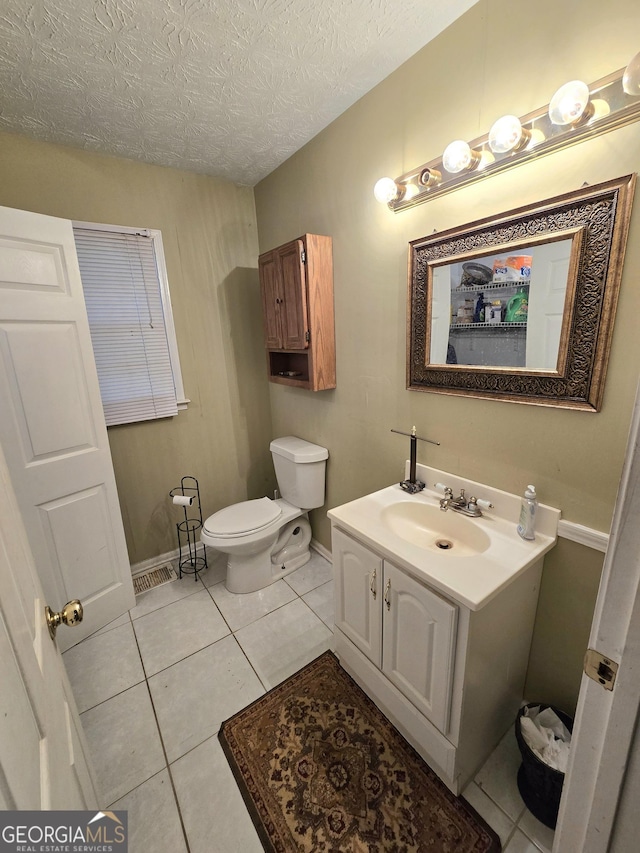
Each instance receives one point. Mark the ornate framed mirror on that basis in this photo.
(520, 307)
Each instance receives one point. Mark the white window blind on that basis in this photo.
(121, 279)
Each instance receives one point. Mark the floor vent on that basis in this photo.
(154, 577)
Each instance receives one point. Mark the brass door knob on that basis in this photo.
(71, 614)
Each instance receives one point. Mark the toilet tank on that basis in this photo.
(300, 470)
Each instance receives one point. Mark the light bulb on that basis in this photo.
(631, 77)
(459, 156)
(386, 190)
(570, 103)
(508, 134)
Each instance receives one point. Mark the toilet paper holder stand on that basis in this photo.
(187, 496)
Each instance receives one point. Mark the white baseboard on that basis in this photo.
(324, 552)
(152, 562)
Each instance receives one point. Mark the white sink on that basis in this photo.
(427, 526)
(468, 559)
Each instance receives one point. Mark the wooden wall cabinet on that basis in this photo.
(296, 283)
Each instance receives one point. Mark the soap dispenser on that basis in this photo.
(527, 523)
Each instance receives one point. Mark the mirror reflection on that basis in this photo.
(504, 309)
(519, 307)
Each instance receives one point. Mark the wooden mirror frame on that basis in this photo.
(601, 214)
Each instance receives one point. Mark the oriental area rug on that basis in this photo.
(321, 769)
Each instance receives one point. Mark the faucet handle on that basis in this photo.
(484, 504)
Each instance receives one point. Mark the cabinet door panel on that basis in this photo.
(271, 299)
(358, 594)
(295, 323)
(418, 644)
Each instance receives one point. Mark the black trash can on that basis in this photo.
(540, 786)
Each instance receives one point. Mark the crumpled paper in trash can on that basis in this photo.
(547, 736)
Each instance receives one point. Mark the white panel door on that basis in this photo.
(358, 594)
(43, 756)
(418, 644)
(547, 297)
(52, 425)
(440, 314)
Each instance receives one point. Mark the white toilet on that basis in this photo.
(268, 539)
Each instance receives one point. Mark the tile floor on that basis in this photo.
(154, 686)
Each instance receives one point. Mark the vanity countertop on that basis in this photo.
(484, 554)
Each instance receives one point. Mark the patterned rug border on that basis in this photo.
(402, 743)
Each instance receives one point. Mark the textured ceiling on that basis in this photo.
(226, 87)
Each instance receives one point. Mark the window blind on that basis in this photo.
(122, 293)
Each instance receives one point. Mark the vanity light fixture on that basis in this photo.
(576, 112)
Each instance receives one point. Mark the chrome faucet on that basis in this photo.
(461, 504)
(449, 501)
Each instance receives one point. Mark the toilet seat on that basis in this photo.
(242, 518)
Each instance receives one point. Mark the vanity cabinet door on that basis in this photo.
(418, 644)
(358, 594)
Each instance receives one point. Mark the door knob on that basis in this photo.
(71, 614)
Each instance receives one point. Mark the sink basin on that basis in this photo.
(469, 560)
(427, 526)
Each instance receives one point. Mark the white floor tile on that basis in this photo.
(165, 594)
(488, 810)
(540, 834)
(217, 568)
(124, 742)
(103, 665)
(284, 641)
(194, 696)
(313, 574)
(520, 844)
(241, 610)
(121, 620)
(498, 776)
(320, 600)
(172, 633)
(279, 633)
(214, 813)
(153, 819)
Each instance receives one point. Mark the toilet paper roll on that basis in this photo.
(182, 500)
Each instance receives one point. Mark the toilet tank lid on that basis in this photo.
(298, 450)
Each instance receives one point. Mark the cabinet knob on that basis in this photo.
(372, 585)
(387, 597)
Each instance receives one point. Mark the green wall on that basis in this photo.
(499, 57)
(209, 234)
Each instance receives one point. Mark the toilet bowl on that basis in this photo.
(268, 539)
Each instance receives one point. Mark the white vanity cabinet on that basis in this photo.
(449, 678)
(402, 626)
